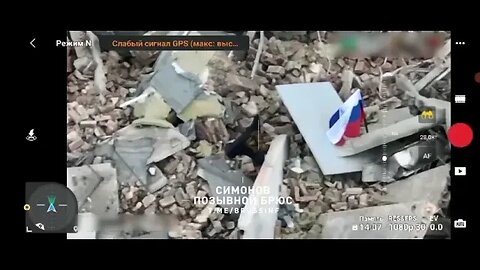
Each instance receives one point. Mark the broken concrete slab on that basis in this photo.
(95, 187)
(188, 130)
(220, 177)
(232, 111)
(162, 123)
(427, 185)
(241, 82)
(204, 149)
(166, 141)
(408, 220)
(130, 159)
(311, 105)
(203, 106)
(155, 180)
(213, 130)
(135, 148)
(194, 62)
(260, 213)
(153, 111)
(250, 109)
(436, 74)
(177, 90)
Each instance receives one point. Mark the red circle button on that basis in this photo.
(477, 77)
(460, 135)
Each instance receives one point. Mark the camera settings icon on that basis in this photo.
(31, 136)
(460, 223)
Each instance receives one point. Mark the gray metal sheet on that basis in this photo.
(427, 185)
(311, 105)
(177, 90)
(97, 182)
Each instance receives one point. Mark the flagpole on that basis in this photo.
(365, 122)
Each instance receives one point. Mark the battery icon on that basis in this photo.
(460, 98)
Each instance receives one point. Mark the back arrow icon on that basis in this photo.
(31, 43)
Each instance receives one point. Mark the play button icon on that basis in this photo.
(460, 170)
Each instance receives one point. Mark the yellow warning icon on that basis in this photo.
(427, 114)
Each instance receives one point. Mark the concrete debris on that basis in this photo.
(204, 149)
(203, 106)
(353, 224)
(245, 122)
(282, 119)
(241, 83)
(99, 74)
(248, 167)
(230, 225)
(219, 176)
(442, 108)
(84, 58)
(268, 128)
(212, 130)
(168, 141)
(148, 200)
(363, 200)
(204, 214)
(289, 222)
(135, 148)
(257, 220)
(74, 145)
(96, 189)
(166, 78)
(167, 201)
(171, 166)
(436, 74)
(347, 81)
(427, 186)
(188, 130)
(155, 179)
(97, 160)
(260, 102)
(353, 191)
(152, 109)
(264, 91)
(250, 108)
(232, 111)
(276, 70)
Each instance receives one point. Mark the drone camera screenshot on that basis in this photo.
(259, 135)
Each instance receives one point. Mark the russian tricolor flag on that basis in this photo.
(347, 120)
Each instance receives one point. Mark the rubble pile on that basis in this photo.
(92, 114)
(234, 101)
(194, 219)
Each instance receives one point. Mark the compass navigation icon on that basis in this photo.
(51, 206)
(55, 208)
